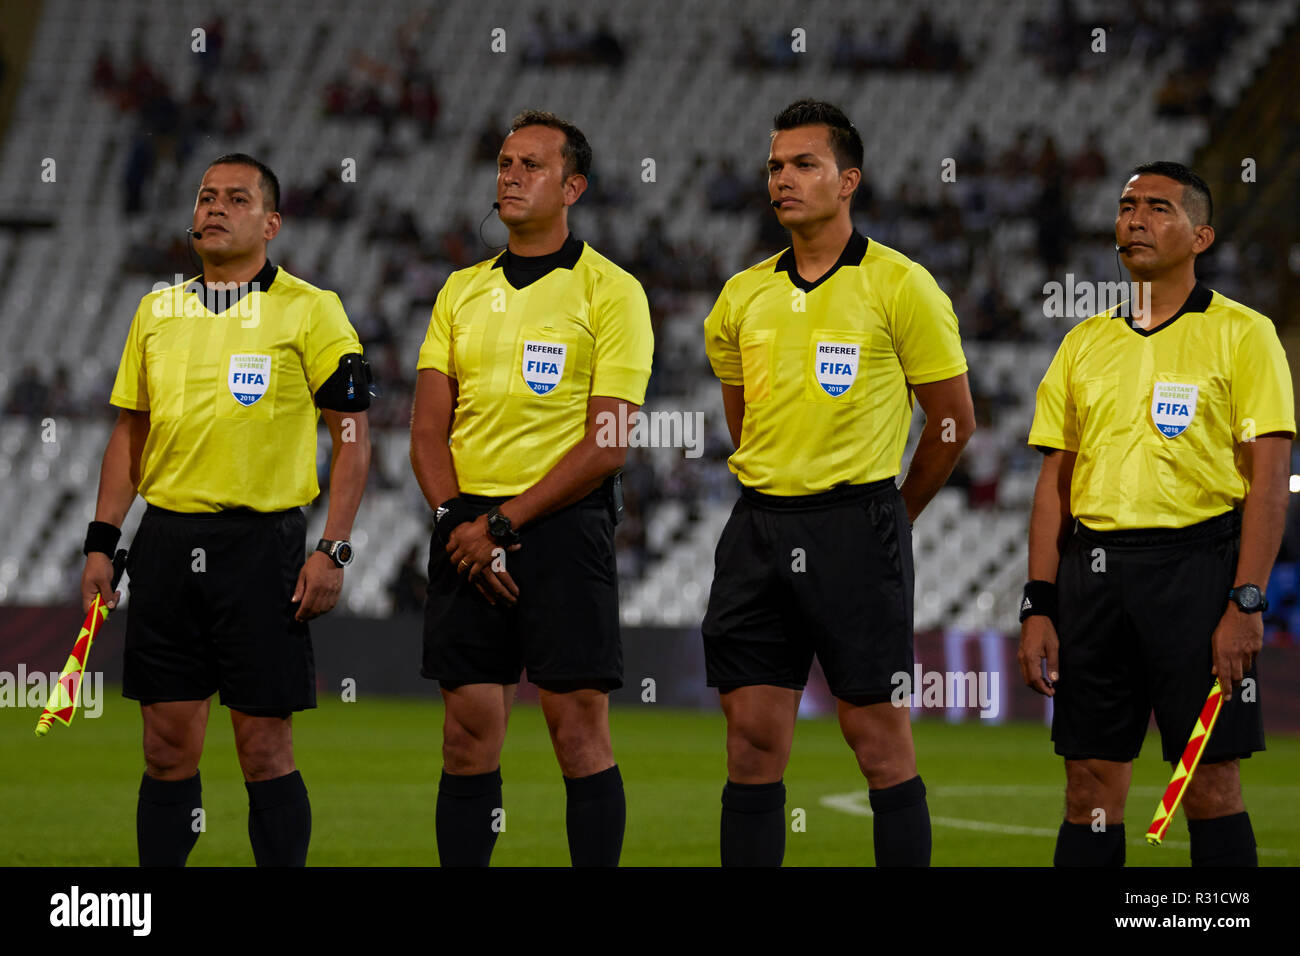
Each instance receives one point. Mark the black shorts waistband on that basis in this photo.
(226, 513)
(823, 499)
(1226, 525)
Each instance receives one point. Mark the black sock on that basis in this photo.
(1223, 841)
(1077, 844)
(753, 824)
(901, 824)
(166, 826)
(467, 817)
(595, 818)
(279, 820)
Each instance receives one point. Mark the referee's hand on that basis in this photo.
(97, 578)
(1236, 641)
(475, 553)
(317, 590)
(1038, 640)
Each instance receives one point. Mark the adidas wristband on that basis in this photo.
(1039, 598)
(101, 536)
(451, 513)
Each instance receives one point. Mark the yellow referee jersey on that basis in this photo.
(827, 365)
(1158, 417)
(232, 421)
(527, 360)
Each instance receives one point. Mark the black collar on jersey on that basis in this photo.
(218, 300)
(521, 271)
(852, 255)
(1198, 300)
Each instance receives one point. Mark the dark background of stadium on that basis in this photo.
(383, 122)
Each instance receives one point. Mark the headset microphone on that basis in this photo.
(195, 233)
(1119, 248)
(496, 207)
(776, 204)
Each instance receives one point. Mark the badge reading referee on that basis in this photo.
(836, 367)
(250, 375)
(543, 365)
(1172, 407)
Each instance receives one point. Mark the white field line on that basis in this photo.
(856, 803)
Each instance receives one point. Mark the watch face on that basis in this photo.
(343, 553)
(1248, 597)
(498, 524)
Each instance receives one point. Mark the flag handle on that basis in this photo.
(94, 618)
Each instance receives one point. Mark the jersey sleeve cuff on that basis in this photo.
(434, 365)
(627, 385)
(925, 378)
(131, 405)
(1277, 425)
(1044, 440)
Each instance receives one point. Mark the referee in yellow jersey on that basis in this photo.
(220, 387)
(525, 355)
(1159, 510)
(820, 350)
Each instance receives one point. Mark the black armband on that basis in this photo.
(1040, 598)
(101, 536)
(452, 512)
(348, 389)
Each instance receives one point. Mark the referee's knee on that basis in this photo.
(1215, 791)
(465, 753)
(163, 761)
(1092, 785)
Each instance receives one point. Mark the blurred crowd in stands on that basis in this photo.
(1028, 179)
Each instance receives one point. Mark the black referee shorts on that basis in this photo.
(211, 611)
(564, 629)
(827, 574)
(1137, 610)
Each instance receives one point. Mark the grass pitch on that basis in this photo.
(995, 793)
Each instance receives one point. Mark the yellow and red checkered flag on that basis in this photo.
(65, 695)
(1186, 765)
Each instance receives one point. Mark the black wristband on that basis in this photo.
(451, 513)
(101, 536)
(1040, 598)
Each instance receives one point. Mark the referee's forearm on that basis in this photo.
(349, 466)
(1263, 522)
(119, 473)
(1048, 522)
(580, 472)
(435, 472)
(932, 463)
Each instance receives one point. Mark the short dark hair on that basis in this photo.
(1197, 201)
(846, 142)
(269, 184)
(576, 150)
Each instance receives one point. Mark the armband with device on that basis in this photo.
(348, 389)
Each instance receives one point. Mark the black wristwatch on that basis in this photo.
(1249, 598)
(340, 552)
(500, 528)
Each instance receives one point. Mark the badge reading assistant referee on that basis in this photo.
(221, 385)
(1166, 431)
